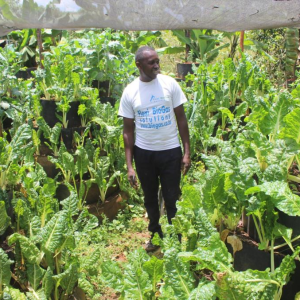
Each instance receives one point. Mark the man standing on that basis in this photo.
(151, 106)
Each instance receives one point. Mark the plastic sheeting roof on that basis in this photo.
(224, 15)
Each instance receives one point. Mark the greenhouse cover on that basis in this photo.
(224, 15)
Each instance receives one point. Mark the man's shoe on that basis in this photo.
(150, 247)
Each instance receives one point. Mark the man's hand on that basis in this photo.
(132, 179)
(185, 164)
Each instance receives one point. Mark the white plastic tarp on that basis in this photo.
(224, 15)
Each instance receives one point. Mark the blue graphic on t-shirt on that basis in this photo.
(160, 110)
(144, 113)
(157, 99)
(156, 117)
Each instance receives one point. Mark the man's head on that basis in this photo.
(147, 61)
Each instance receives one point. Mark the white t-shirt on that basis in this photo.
(152, 105)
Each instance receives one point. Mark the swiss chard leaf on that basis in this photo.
(270, 119)
(13, 294)
(251, 284)
(284, 232)
(112, 275)
(82, 161)
(35, 274)
(68, 278)
(90, 263)
(86, 222)
(178, 277)
(287, 266)
(54, 231)
(137, 284)
(5, 274)
(48, 282)
(22, 134)
(292, 127)
(203, 227)
(85, 284)
(4, 218)
(36, 295)
(206, 290)
(28, 248)
(70, 204)
(191, 198)
(213, 256)
(281, 196)
(154, 268)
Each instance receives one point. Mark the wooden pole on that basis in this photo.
(187, 47)
(242, 40)
(40, 44)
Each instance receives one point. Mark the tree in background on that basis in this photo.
(269, 51)
(291, 46)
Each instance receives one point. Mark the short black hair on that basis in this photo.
(139, 55)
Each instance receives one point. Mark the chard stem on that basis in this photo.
(262, 230)
(272, 256)
(263, 280)
(56, 292)
(294, 178)
(284, 244)
(290, 162)
(56, 263)
(257, 229)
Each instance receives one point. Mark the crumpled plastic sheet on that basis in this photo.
(224, 15)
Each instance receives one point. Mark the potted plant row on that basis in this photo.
(110, 65)
(65, 96)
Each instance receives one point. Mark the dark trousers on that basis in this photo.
(159, 166)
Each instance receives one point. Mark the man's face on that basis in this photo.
(148, 66)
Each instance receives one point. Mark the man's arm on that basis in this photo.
(128, 136)
(185, 137)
